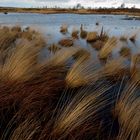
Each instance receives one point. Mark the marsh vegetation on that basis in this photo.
(69, 94)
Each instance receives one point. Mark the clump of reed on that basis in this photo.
(80, 53)
(81, 114)
(68, 53)
(75, 33)
(83, 33)
(123, 38)
(127, 111)
(16, 29)
(98, 40)
(53, 48)
(66, 42)
(81, 73)
(69, 95)
(64, 29)
(108, 47)
(125, 52)
(103, 36)
(15, 33)
(7, 38)
(91, 36)
(84, 71)
(98, 44)
(19, 63)
(135, 63)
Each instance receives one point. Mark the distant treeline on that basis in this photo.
(132, 11)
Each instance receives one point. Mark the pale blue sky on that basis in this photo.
(68, 3)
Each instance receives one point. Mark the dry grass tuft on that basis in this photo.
(20, 64)
(125, 52)
(123, 38)
(67, 42)
(115, 69)
(135, 63)
(82, 72)
(26, 130)
(53, 48)
(81, 113)
(85, 72)
(91, 36)
(64, 29)
(67, 96)
(68, 53)
(103, 36)
(7, 40)
(108, 47)
(127, 109)
(82, 52)
(16, 29)
(75, 33)
(98, 45)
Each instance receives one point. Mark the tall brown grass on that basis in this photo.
(80, 114)
(128, 112)
(84, 71)
(135, 63)
(69, 95)
(108, 47)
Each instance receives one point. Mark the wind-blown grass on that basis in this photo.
(108, 47)
(70, 94)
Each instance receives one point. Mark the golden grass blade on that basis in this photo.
(108, 47)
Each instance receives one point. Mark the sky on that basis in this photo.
(69, 3)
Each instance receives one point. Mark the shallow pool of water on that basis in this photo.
(49, 25)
